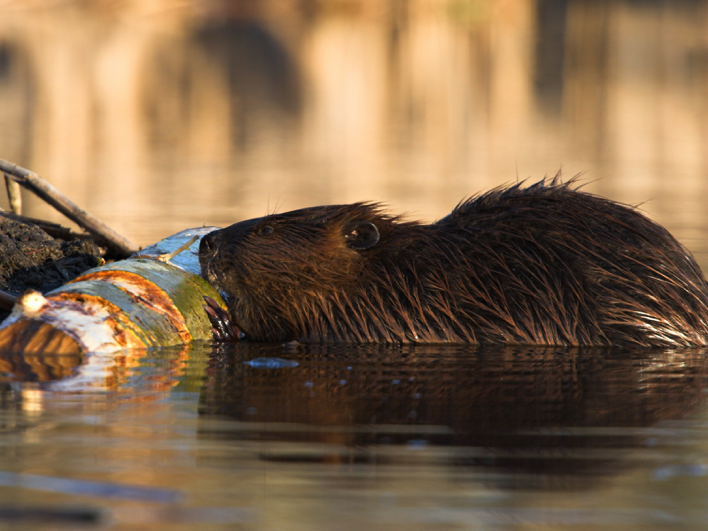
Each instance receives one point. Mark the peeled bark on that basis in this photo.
(151, 299)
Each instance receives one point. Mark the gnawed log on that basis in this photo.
(154, 298)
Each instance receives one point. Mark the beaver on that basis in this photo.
(545, 264)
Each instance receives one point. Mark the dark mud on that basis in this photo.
(32, 259)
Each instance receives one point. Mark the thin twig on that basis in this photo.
(13, 195)
(63, 204)
(170, 256)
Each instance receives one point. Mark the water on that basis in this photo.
(356, 438)
(163, 115)
(159, 116)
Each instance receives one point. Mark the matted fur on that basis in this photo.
(541, 264)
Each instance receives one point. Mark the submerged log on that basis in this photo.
(154, 298)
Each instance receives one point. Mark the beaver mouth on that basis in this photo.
(223, 326)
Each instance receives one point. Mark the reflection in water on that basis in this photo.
(18, 105)
(536, 410)
(550, 54)
(164, 115)
(354, 437)
(221, 88)
(123, 372)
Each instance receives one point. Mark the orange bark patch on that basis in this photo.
(144, 292)
(122, 330)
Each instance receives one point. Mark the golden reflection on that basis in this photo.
(114, 372)
(166, 114)
(32, 400)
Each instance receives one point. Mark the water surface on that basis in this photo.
(163, 115)
(159, 116)
(303, 437)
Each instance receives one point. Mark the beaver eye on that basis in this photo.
(361, 236)
(265, 230)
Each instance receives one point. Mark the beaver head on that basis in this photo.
(285, 274)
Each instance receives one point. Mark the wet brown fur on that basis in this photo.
(541, 264)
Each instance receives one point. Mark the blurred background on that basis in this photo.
(158, 115)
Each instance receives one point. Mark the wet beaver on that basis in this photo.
(541, 264)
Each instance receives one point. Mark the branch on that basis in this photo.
(13, 195)
(63, 204)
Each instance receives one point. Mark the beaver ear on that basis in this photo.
(363, 235)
